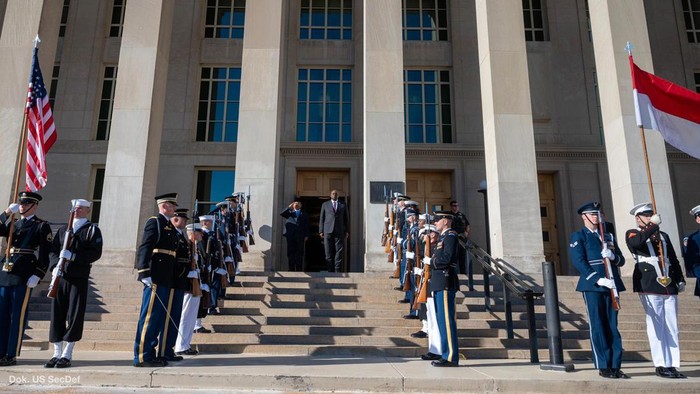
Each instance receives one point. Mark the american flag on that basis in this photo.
(40, 127)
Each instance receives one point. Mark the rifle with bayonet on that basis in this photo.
(67, 241)
(248, 221)
(385, 230)
(422, 296)
(194, 266)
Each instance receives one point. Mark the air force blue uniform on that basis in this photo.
(585, 253)
(692, 258)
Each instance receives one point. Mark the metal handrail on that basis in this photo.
(512, 282)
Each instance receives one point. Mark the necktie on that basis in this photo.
(335, 206)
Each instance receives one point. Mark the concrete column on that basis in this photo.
(511, 170)
(23, 20)
(613, 24)
(137, 124)
(259, 124)
(384, 148)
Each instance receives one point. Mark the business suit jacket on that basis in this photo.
(333, 223)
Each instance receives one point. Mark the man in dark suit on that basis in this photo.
(333, 229)
(296, 230)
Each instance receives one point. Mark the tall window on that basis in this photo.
(691, 14)
(98, 182)
(425, 20)
(324, 105)
(533, 14)
(64, 19)
(116, 24)
(427, 109)
(326, 20)
(225, 19)
(212, 186)
(104, 117)
(54, 84)
(219, 95)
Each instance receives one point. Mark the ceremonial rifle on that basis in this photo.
(390, 241)
(385, 231)
(222, 263)
(67, 240)
(248, 220)
(196, 286)
(614, 295)
(423, 289)
(409, 264)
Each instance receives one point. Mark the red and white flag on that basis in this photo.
(671, 109)
(41, 131)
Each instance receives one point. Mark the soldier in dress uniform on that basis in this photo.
(658, 282)
(409, 249)
(460, 224)
(181, 284)
(156, 260)
(68, 306)
(692, 251)
(587, 251)
(24, 264)
(215, 242)
(207, 266)
(190, 303)
(444, 285)
(431, 330)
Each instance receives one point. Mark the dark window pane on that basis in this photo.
(316, 74)
(415, 114)
(415, 134)
(316, 91)
(303, 74)
(332, 132)
(333, 34)
(413, 76)
(231, 132)
(304, 34)
(431, 134)
(415, 94)
(301, 112)
(347, 113)
(315, 132)
(347, 92)
(446, 134)
(332, 113)
(333, 75)
(316, 113)
(431, 114)
(301, 132)
(317, 34)
(347, 34)
(301, 91)
(347, 133)
(333, 92)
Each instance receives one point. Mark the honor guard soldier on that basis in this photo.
(430, 324)
(217, 259)
(181, 284)
(83, 247)
(587, 250)
(156, 261)
(207, 267)
(410, 238)
(692, 251)
(190, 302)
(658, 281)
(444, 285)
(24, 264)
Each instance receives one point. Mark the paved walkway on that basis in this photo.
(112, 372)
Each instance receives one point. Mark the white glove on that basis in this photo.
(54, 273)
(66, 254)
(426, 261)
(204, 286)
(220, 271)
(250, 232)
(605, 282)
(192, 274)
(391, 227)
(399, 239)
(196, 257)
(410, 255)
(656, 219)
(607, 254)
(147, 281)
(239, 247)
(241, 238)
(386, 219)
(417, 271)
(33, 281)
(228, 259)
(681, 287)
(14, 208)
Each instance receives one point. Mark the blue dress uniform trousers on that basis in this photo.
(13, 318)
(606, 341)
(447, 322)
(151, 322)
(172, 323)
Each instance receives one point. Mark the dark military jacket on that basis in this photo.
(157, 252)
(30, 235)
(86, 246)
(645, 274)
(692, 257)
(585, 250)
(183, 264)
(444, 263)
(460, 223)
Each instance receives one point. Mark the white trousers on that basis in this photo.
(662, 329)
(190, 306)
(434, 340)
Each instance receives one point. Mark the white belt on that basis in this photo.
(647, 259)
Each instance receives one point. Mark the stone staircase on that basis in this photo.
(354, 314)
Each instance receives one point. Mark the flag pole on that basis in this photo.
(664, 280)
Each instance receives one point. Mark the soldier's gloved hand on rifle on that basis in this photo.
(410, 255)
(66, 254)
(54, 273)
(33, 281)
(681, 287)
(605, 282)
(204, 286)
(220, 271)
(240, 249)
(192, 274)
(13, 208)
(426, 261)
(656, 219)
(608, 254)
(228, 259)
(147, 281)
(417, 271)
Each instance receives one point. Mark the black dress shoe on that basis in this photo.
(404, 301)
(431, 356)
(619, 374)
(678, 374)
(51, 363)
(607, 373)
(152, 364)
(399, 288)
(214, 311)
(188, 352)
(419, 334)
(63, 363)
(665, 373)
(8, 361)
(443, 363)
(203, 330)
(173, 358)
(411, 317)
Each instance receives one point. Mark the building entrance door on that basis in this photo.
(433, 187)
(313, 189)
(550, 239)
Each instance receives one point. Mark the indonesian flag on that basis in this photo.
(671, 109)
